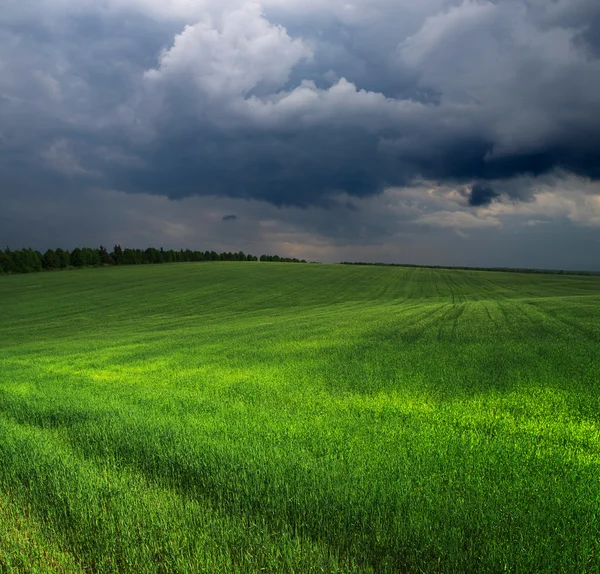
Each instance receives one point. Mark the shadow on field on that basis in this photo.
(451, 352)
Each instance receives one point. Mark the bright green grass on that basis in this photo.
(297, 418)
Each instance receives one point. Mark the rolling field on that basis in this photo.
(249, 417)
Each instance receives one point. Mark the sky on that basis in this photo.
(438, 132)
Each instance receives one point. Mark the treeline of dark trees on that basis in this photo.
(30, 261)
(499, 269)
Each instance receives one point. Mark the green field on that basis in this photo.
(256, 417)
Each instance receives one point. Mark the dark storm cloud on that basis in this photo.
(275, 169)
(479, 123)
(482, 194)
(352, 97)
(229, 217)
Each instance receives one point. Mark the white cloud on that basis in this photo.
(567, 197)
(231, 59)
(522, 83)
(446, 30)
(341, 105)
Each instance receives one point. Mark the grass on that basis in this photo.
(233, 417)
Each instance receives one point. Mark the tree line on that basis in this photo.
(31, 261)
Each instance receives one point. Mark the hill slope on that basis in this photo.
(247, 416)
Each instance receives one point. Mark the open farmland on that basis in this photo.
(302, 418)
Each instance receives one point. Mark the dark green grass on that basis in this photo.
(262, 417)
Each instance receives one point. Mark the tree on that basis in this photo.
(64, 258)
(118, 255)
(77, 258)
(154, 255)
(26, 261)
(90, 256)
(129, 257)
(50, 260)
(104, 256)
(7, 264)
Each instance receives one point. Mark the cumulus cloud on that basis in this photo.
(554, 198)
(497, 91)
(245, 52)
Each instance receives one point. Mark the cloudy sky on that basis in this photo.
(419, 131)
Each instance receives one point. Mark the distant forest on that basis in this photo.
(30, 261)
(500, 269)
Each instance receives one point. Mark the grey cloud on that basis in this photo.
(482, 194)
(306, 104)
(229, 217)
(415, 225)
(503, 93)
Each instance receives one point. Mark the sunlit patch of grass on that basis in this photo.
(231, 417)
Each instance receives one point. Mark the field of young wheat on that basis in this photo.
(263, 417)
